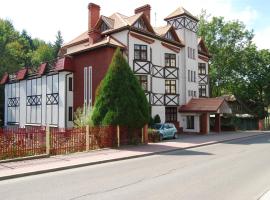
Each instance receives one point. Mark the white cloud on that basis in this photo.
(262, 38)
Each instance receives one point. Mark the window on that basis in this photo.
(140, 52)
(190, 122)
(170, 114)
(170, 60)
(104, 27)
(191, 76)
(169, 36)
(70, 86)
(140, 24)
(143, 81)
(202, 69)
(192, 93)
(202, 90)
(170, 86)
(151, 55)
(70, 114)
(191, 53)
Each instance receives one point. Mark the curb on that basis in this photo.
(119, 159)
(24, 158)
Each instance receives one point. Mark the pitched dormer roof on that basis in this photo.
(163, 30)
(179, 12)
(203, 49)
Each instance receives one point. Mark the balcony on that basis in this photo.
(203, 79)
(141, 67)
(171, 72)
(171, 99)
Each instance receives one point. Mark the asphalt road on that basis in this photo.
(235, 170)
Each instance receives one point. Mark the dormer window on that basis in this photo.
(140, 24)
(169, 36)
(104, 27)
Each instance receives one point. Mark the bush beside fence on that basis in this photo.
(33, 141)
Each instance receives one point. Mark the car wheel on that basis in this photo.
(160, 137)
(175, 136)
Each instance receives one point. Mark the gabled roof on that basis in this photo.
(212, 105)
(78, 40)
(20, 75)
(115, 21)
(108, 21)
(179, 12)
(4, 79)
(163, 30)
(204, 50)
(107, 41)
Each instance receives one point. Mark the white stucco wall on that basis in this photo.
(37, 115)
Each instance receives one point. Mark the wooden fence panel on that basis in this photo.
(22, 142)
(69, 140)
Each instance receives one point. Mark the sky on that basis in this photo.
(43, 18)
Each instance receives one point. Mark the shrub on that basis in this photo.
(120, 99)
(157, 119)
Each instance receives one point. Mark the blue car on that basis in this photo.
(166, 130)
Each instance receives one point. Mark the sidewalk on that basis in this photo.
(55, 163)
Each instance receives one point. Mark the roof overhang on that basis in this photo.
(206, 105)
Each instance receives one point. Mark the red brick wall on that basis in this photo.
(100, 60)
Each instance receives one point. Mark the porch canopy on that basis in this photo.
(206, 106)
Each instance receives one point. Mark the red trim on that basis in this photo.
(175, 49)
(142, 38)
(4, 79)
(21, 74)
(204, 58)
(42, 69)
(64, 64)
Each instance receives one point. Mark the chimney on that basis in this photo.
(93, 16)
(146, 9)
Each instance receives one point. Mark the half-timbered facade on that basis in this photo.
(170, 63)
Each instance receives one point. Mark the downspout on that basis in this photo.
(128, 45)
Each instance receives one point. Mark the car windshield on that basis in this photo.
(157, 126)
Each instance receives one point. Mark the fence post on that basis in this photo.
(145, 131)
(118, 136)
(87, 138)
(48, 145)
(142, 135)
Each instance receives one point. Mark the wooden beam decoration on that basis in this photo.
(173, 48)
(142, 38)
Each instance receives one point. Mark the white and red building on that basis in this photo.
(170, 62)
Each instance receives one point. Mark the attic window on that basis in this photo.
(104, 27)
(199, 48)
(169, 36)
(140, 24)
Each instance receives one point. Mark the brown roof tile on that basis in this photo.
(179, 12)
(203, 105)
(106, 41)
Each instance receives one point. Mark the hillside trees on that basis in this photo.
(237, 66)
(18, 50)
